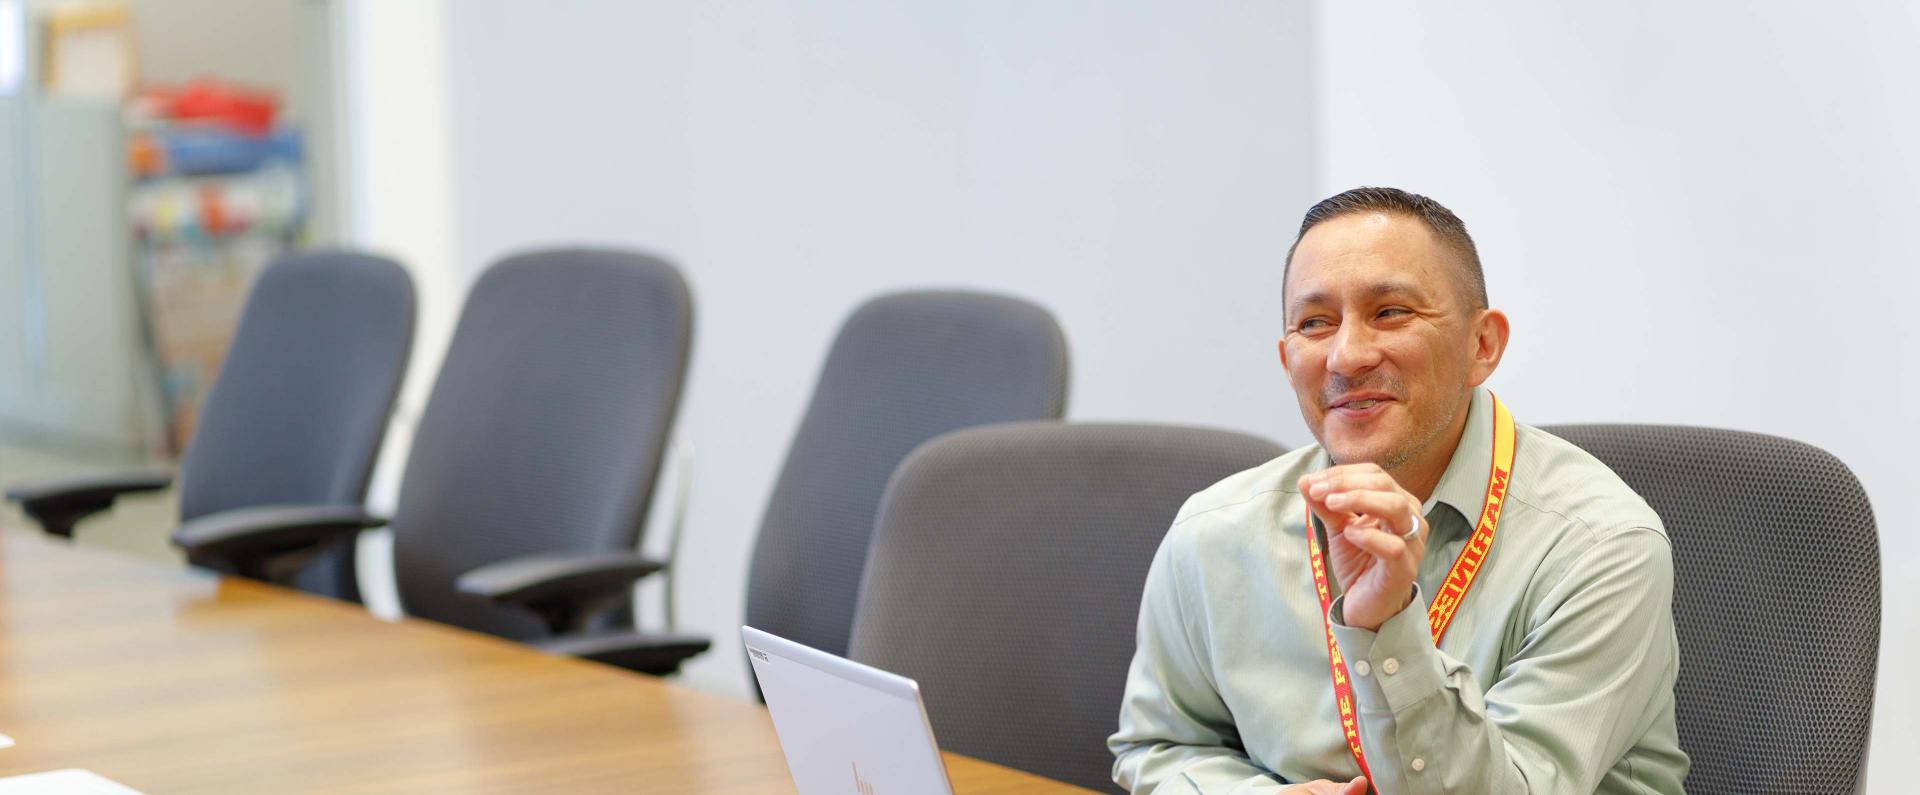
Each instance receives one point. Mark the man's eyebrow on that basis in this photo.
(1394, 287)
(1304, 301)
(1372, 291)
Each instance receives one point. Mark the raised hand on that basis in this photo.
(1375, 539)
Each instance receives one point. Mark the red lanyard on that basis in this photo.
(1452, 590)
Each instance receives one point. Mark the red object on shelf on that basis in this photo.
(213, 211)
(243, 109)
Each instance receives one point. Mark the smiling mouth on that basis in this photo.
(1360, 407)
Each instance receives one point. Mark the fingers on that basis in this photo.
(1357, 786)
(1333, 519)
(1361, 490)
(1335, 490)
(1394, 509)
(1383, 544)
(1347, 478)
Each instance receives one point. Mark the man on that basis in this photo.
(1282, 654)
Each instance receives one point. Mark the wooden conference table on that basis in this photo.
(176, 682)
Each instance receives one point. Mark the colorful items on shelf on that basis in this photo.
(186, 150)
(269, 200)
(210, 102)
(218, 193)
(207, 127)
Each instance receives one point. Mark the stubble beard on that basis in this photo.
(1407, 453)
(1411, 451)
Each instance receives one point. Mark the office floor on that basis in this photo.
(138, 524)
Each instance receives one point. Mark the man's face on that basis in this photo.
(1381, 338)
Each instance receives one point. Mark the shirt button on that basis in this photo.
(1361, 668)
(1391, 666)
(1419, 764)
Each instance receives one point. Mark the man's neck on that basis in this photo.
(1422, 475)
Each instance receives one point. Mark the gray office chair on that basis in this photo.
(1776, 602)
(291, 428)
(534, 462)
(905, 368)
(1006, 573)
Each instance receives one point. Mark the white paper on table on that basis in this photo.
(62, 782)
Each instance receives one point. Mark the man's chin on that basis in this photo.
(1357, 451)
(1372, 439)
(1340, 459)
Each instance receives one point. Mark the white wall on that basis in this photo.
(1695, 213)
(393, 91)
(1134, 168)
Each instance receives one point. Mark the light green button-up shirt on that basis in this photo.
(1556, 675)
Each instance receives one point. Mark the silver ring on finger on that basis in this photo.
(1413, 531)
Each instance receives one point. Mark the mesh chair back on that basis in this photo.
(304, 395)
(546, 428)
(1776, 601)
(905, 368)
(1006, 574)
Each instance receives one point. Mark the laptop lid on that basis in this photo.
(845, 727)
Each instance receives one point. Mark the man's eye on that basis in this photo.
(1313, 324)
(1394, 312)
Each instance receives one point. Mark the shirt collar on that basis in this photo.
(1464, 485)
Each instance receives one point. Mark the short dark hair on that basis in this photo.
(1447, 226)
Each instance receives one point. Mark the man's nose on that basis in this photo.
(1355, 350)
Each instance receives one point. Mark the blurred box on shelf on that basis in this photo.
(190, 150)
(207, 126)
(87, 51)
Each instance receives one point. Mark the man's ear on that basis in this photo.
(1283, 361)
(1490, 332)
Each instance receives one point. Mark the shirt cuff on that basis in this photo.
(1396, 667)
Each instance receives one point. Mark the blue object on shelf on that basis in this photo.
(207, 150)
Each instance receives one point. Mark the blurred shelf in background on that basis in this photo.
(154, 156)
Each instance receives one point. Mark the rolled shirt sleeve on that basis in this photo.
(1570, 702)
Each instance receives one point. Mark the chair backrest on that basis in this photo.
(1776, 601)
(905, 368)
(303, 396)
(546, 427)
(1006, 575)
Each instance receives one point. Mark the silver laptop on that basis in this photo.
(845, 727)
